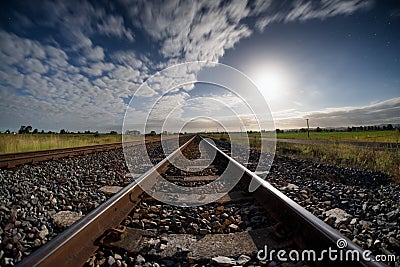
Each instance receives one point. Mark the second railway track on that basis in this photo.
(132, 228)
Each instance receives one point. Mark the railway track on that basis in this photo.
(132, 227)
(12, 160)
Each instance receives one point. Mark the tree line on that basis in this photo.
(28, 130)
(388, 127)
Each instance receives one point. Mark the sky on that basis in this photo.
(82, 65)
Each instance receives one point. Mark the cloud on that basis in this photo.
(114, 26)
(49, 90)
(382, 112)
(82, 18)
(77, 23)
(34, 65)
(94, 53)
(306, 10)
(130, 59)
(187, 30)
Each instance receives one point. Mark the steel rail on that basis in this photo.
(75, 245)
(307, 230)
(11, 160)
(14, 159)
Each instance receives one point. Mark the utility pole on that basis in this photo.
(308, 129)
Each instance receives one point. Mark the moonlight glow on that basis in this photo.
(271, 83)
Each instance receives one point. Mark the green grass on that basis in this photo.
(10, 143)
(366, 136)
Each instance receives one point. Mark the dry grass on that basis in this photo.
(10, 143)
(339, 154)
(367, 136)
(370, 158)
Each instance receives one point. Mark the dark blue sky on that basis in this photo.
(352, 60)
(75, 64)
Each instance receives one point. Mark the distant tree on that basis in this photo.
(318, 130)
(35, 131)
(384, 128)
(42, 131)
(21, 130)
(62, 131)
(113, 132)
(153, 133)
(96, 134)
(389, 127)
(8, 131)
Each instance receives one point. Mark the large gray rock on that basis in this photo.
(223, 261)
(110, 189)
(339, 215)
(65, 218)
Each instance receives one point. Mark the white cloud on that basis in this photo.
(125, 74)
(12, 77)
(94, 53)
(51, 85)
(34, 65)
(129, 59)
(382, 112)
(201, 30)
(114, 26)
(305, 10)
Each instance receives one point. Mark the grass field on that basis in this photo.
(10, 143)
(339, 154)
(375, 159)
(366, 136)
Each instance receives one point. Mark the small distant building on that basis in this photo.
(132, 132)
